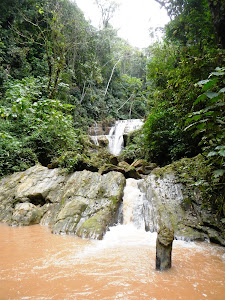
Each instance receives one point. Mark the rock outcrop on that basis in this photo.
(83, 203)
(168, 204)
(86, 203)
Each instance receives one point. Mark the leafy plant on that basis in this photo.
(209, 121)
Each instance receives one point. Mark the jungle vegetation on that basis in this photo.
(59, 74)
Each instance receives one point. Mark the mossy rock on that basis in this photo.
(109, 168)
(96, 226)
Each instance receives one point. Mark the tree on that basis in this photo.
(217, 9)
(107, 9)
(192, 18)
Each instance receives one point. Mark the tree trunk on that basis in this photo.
(217, 9)
(164, 249)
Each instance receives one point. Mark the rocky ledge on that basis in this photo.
(82, 203)
(86, 203)
(179, 204)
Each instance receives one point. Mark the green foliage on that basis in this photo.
(32, 124)
(185, 120)
(13, 155)
(197, 174)
(191, 23)
(209, 121)
(134, 146)
(164, 139)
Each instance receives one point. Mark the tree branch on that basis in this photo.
(110, 78)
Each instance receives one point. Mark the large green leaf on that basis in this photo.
(222, 153)
(211, 95)
(219, 173)
(200, 98)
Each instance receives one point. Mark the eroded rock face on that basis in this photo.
(86, 203)
(83, 203)
(26, 214)
(167, 204)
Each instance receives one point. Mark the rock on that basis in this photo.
(103, 141)
(109, 168)
(167, 203)
(82, 203)
(164, 248)
(143, 167)
(129, 170)
(123, 167)
(94, 227)
(26, 214)
(113, 160)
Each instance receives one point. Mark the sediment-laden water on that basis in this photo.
(35, 264)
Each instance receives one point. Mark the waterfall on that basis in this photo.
(137, 210)
(131, 228)
(115, 137)
(116, 133)
(94, 139)
(133, 204)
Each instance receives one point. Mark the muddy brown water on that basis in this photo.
(35, 264)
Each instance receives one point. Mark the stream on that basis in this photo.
(35, 264)
(38, 265)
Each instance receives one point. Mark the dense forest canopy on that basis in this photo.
(59, 74)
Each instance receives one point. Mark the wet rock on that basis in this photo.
(164, 249)
(26, 214)
(109, 168)
(113, 160)
(82, 203)
(143, 167)
(94, 227)
(167, 203)
(123, 167)
(103, 141)
(129, 170)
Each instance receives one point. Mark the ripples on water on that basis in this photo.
(34, 264)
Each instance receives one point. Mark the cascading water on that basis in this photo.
(35, 264)
(132, 230)
(115, 137)
(116, 133)
(94, 136)
(133, 204)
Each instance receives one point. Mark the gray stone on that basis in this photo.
(166, 203)
(82, 203)
(26, 214)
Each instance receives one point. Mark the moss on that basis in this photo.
(161, 172)
(96, 225)
(62, 201)
(114, 200)
(196, 175)
(101, 192)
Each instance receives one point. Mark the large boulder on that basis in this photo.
(179, 207)
(82, 203)
(26, 214)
